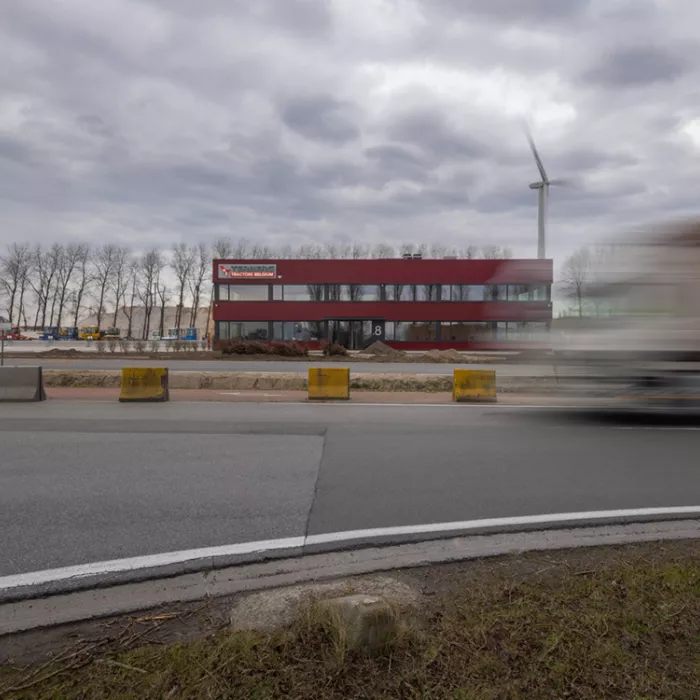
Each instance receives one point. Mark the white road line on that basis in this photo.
(146, 562)
(521, 520)
(48, 576)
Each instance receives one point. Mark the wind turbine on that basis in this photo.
(542, 188)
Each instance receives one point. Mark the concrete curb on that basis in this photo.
(289, 381)
(105, 599)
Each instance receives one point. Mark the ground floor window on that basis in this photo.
(357, 334)
(411, 331)
(242, 330)
(301, 331)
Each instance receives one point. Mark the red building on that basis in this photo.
(408, 303)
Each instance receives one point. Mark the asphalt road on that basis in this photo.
(504, 370)
(83, 481)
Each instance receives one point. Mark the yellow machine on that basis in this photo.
(90, 333)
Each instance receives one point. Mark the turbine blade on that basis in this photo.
(533, 148)
(538, 160)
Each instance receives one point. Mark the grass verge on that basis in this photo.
(626, 625)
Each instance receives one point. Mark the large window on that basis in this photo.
(244, 292)
(464, 292)
(466, 331)
(411, 332)
(243, 330)
(301, 331)
(303, 292)
(399, 292)
(427, 292)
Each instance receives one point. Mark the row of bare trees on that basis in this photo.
(243, 249)
(60, 284)
(56, 286)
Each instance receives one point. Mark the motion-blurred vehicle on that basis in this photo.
(90, 333)
(50, 333)
(15, 333)
(68, 333)
(111, 333)
(645, 345)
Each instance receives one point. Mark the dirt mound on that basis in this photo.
(381, 351)
(453, 356)
(61, 353)
(379, 348)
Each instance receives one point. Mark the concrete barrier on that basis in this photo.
(144, 384)
(21, 384)
(329, 383)
(471, 385)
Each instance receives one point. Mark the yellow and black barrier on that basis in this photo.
(474, 385)
(144, 384)
(329, 383)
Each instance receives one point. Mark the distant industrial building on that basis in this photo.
(408, 303)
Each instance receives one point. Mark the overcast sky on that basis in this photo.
(289, 121)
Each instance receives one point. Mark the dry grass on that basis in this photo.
(630, 630)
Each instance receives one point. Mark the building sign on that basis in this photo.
(247, 271)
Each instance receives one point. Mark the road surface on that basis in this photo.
(504, 370)
(83, 482)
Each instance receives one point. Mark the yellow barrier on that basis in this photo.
(329, 383)
(474, 385)
(144, 384)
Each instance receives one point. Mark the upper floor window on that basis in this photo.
(243, 292)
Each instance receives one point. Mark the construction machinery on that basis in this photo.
(90, 333)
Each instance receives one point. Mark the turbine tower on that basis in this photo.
(542, 188)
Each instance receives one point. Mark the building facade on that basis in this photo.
(412, 304)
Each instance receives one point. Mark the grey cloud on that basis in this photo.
(635, 67)
(577, 160)
(188, 127)
(321, 118)
(517, 11)
(430, 131)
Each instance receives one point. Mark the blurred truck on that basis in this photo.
(646, 343)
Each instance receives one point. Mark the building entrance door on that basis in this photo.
(355, 334)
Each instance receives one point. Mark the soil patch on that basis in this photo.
(614, 623)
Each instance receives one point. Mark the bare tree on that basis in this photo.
(163, 297)
(383, 251)
(575, 276)
(345, 250)
(359, 251)
(261, 252)
(330, 251)
(223, 248)
(56, 256)
(496, 252)
(309, 251)
(286, 253)
(14, 267)
(151, 265)
(469, 253)
(83, 280)
(438, 251)
(133, 285)
(240, 249)
(122, 265)
(423, 250)
(200, 271)
(104, 262)
(182, 264)
(41, 279)
(69, 261)
(406, 249)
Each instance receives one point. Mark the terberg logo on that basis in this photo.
(249, 271)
